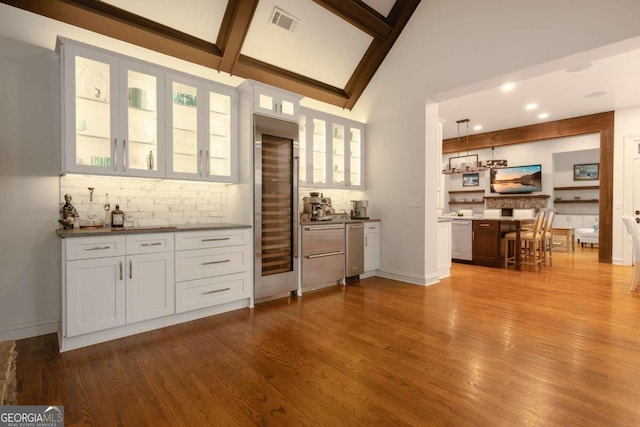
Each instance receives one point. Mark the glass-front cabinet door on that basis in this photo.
(302, 151)
(143, 121)
(319, 145)
(221, 151)
(355, 158)
(90, 112)
(112, 123)
(338, 155)
(186, 155)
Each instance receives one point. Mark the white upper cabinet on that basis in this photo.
(202, 125)
(113, 123)
(127, 117)
(331, 151)
(272, 101)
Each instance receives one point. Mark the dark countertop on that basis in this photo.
(102, 231)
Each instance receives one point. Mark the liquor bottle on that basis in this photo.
(117, 217)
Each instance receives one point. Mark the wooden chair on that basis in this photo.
(548, 236)
(634, 233)
(531, 244)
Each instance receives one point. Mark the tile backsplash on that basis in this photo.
(161, 202)
(151, 202)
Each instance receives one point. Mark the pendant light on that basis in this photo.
(466, 163)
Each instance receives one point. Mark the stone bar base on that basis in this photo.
(519, 201)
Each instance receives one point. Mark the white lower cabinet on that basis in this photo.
(150, 286)
(119, 285)
(212, 267)
(371, 248)
(95, 295)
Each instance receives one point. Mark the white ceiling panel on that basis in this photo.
(581, 89)
(383, 7)
(199, 18)
(323, 46)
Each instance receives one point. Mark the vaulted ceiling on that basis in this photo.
(331, 55)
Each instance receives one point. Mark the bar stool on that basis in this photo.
(531, 244)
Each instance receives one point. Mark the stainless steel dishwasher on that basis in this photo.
(355, 250)
(461, 240)
(323, 260)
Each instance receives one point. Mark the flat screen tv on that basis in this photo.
(516, 179)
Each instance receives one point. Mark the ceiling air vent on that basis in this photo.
(284, 20)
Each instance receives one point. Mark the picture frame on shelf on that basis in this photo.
(470, 179)
(462, 163)
(586, 172)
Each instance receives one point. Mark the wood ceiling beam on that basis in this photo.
(378, 50)
(233, 32)
(120, 24)
(601, 123)
(360, 15)
(255, 69)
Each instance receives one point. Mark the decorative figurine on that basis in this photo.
(68, 213)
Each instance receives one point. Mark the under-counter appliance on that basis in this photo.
(354, 260)
(276, 207)
(323, 255)
(462, 240)
(359, 209)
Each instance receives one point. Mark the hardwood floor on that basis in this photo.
(486, 347)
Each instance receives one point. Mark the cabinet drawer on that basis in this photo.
(201, 263)
(202, 293)
(322, 238)
(149, 243)
(371, 227)
(479, 225)
(94, 247)
(212, 239)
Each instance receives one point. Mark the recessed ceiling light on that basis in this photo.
(477, 127)
(579, 67)
(531, 106)
(508, 87)
(543, 115)
(595, 94)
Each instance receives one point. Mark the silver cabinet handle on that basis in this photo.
(152, 244)
(200, 172)
(115, 154)
(216, 262)
(207, 162)
(366, 241)
(324, 227)
(216, 291)
(97, 248)
(216, 239)
(130, 269)
(125, 158)
(120, 270)
(324, 254)
(356, 225)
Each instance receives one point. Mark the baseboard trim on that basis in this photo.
(25, 330)
(409, 278)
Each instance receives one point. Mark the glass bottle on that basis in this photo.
(117, 217)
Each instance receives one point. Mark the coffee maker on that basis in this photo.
(318, 207)
(359, 209)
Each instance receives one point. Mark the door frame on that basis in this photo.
(631, 153)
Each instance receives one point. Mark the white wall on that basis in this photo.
(29, 167)
(627, 124)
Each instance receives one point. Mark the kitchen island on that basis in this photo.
(484, 237)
